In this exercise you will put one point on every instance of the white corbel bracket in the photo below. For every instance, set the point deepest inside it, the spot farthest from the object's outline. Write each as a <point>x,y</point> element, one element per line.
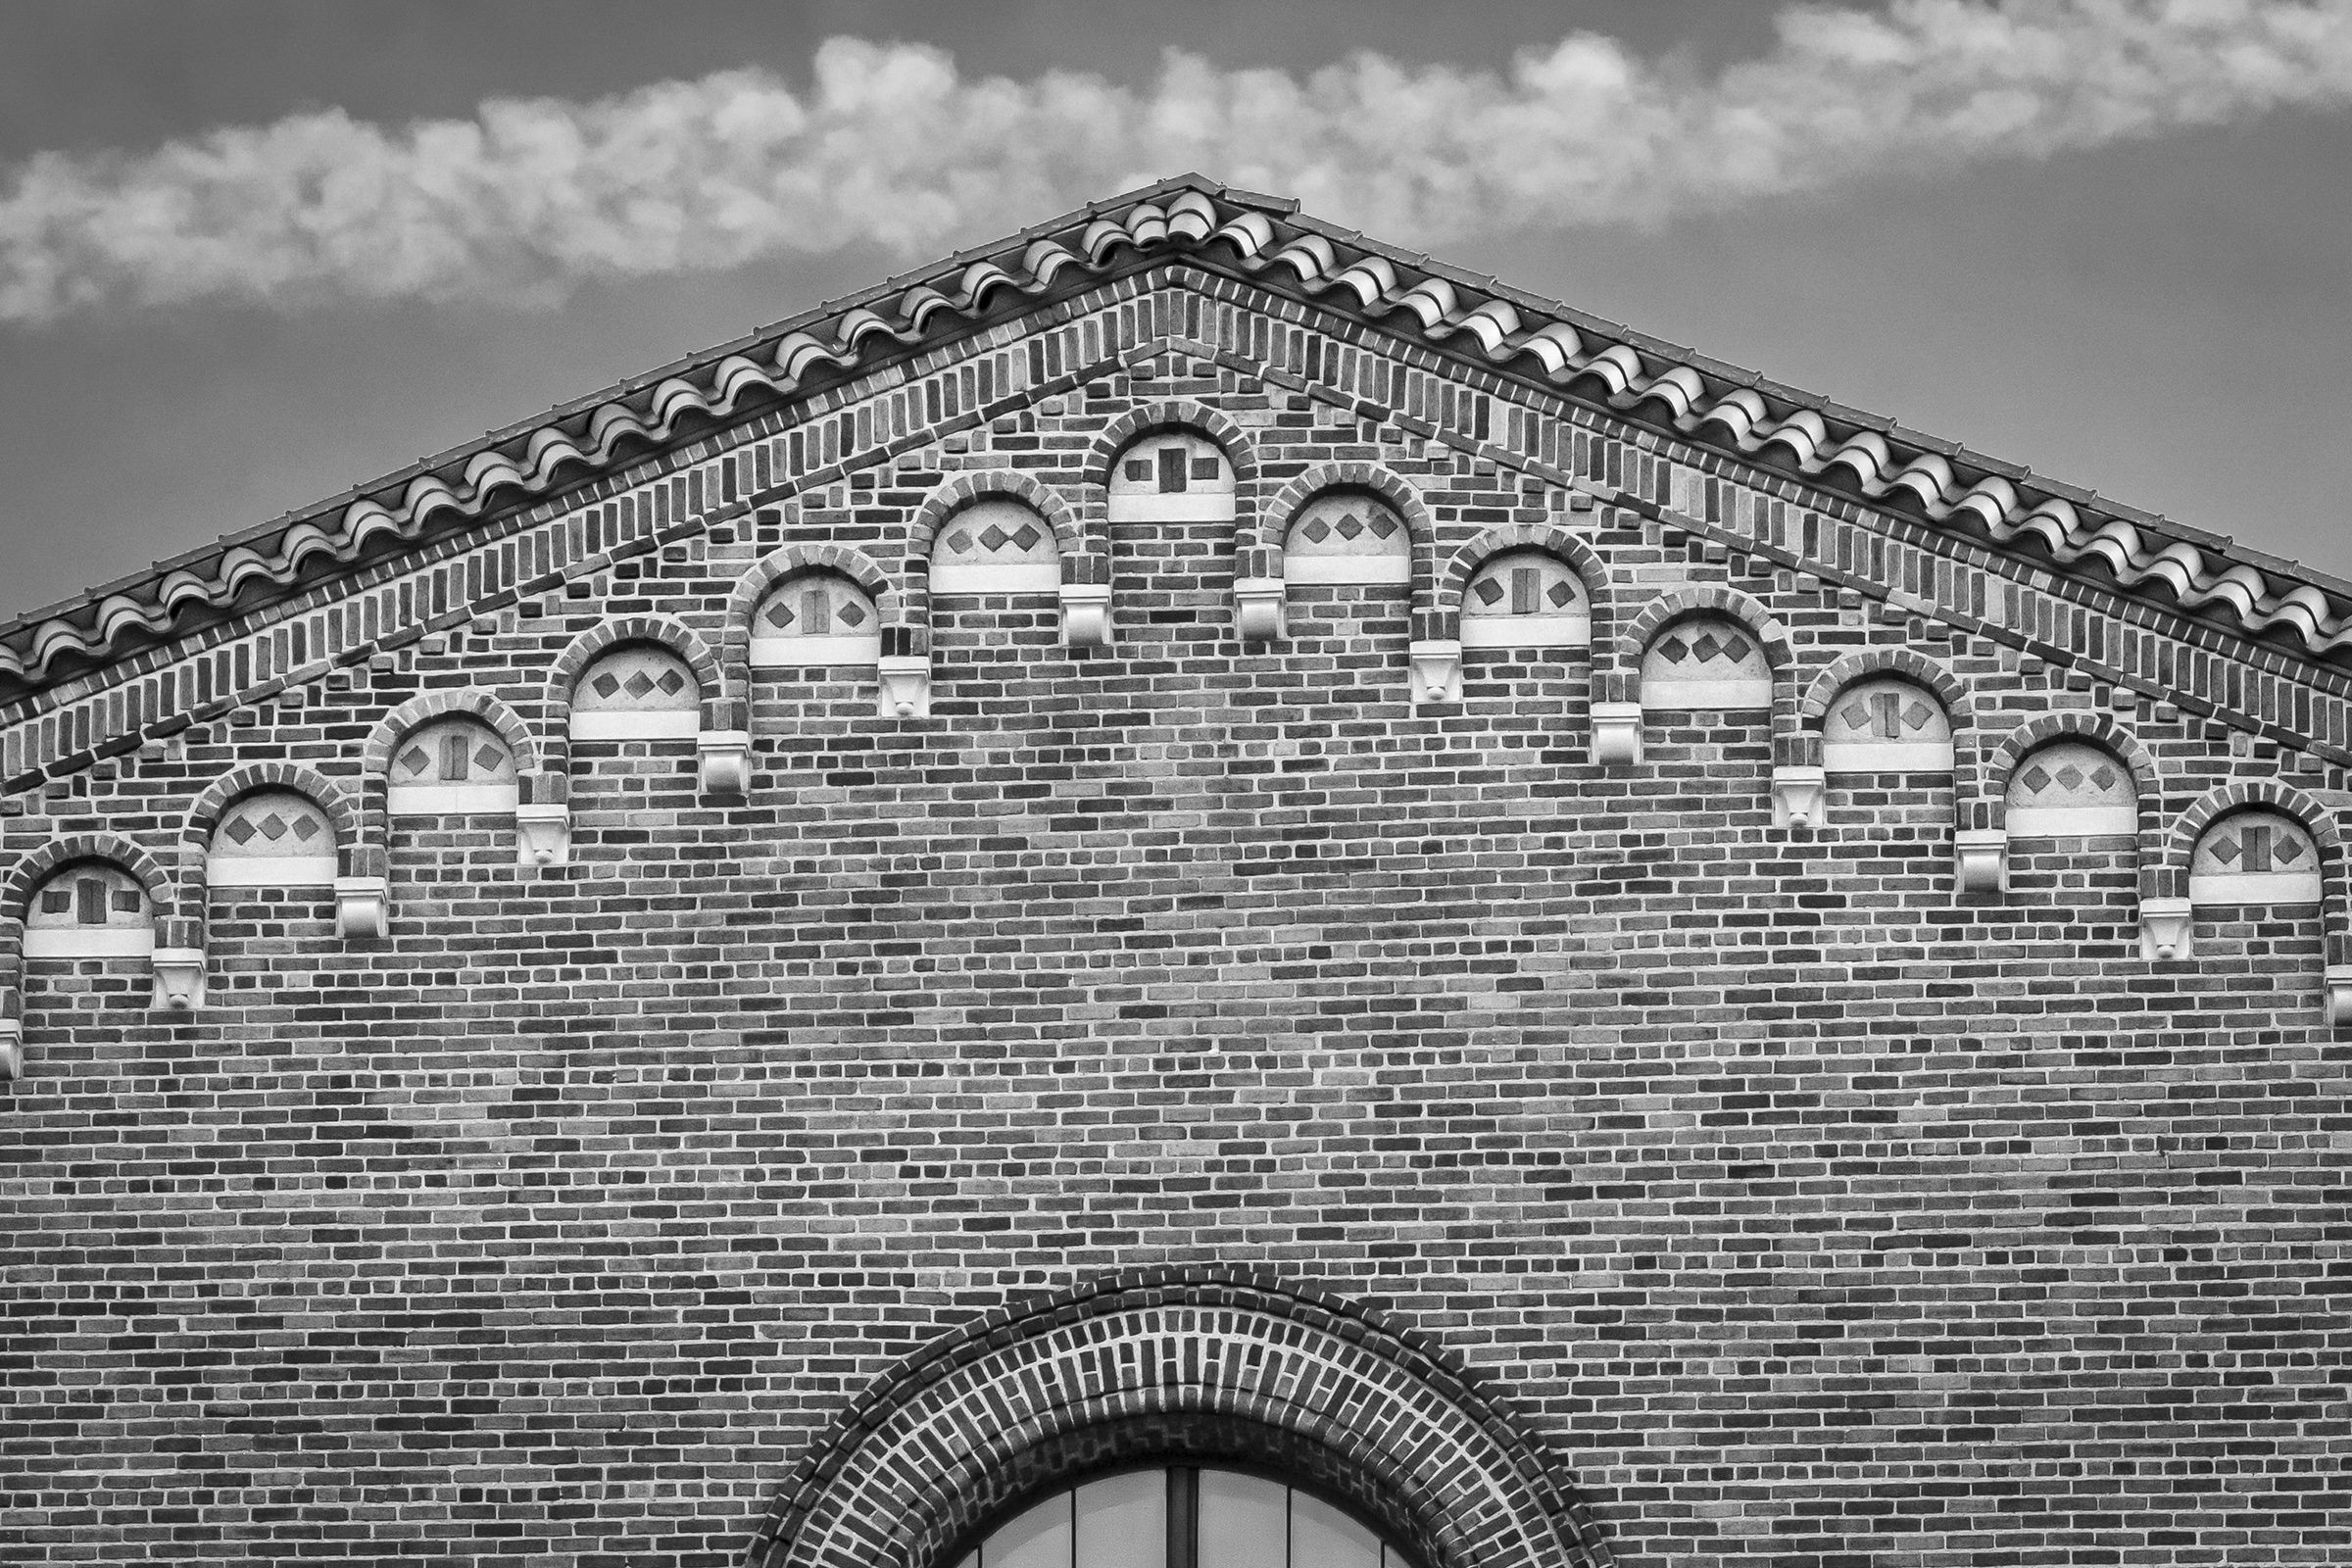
<point>1800,793</point>
<point>1436,664</point>
<point>726,758</point>
<point>905,681</point>
<point>1617,734</point>
<point>12,1050</point>
<point>542,834</point>
<point>1980,858</point>
<point>2165,926</point>
<point>1257,609</point>
<point>2336,995</point>
<point>179,977</point>
<point>1086,614</point>
<point>362,908</point>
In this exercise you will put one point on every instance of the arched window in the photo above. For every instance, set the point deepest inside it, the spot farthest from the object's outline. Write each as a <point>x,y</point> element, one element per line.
<point>1175,476</point>
<point>452,765</point>
<point>1343,537</point>
<point>2071,789</point>
<point>2254,857</point>
<point>88,911</point>
<point>1526,599</point>
<point>1180,1517</point>
<point>639,691</point>
<point>995,546</point>
<point>273,839</point>
<point>1886,725</point>
<point>816,617</point>
<point>1710,662</point>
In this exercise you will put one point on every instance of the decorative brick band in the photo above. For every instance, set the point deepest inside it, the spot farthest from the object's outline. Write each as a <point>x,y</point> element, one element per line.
<point>1193,1366</point>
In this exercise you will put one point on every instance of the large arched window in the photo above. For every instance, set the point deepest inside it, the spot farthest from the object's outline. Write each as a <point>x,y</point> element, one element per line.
<point>1181,1517</point>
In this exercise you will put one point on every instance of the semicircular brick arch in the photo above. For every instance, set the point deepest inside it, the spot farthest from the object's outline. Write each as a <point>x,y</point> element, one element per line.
<point>1175,1364</point>
<point>29,872</point>
<point>1558,543</point>
<point>719,712</point>
<point>1081,561</point>
<point>735,648</point>
<point>1623,682</point>
<point>1263,559</point>
<point>1171,414</point>
<point>375,755</point>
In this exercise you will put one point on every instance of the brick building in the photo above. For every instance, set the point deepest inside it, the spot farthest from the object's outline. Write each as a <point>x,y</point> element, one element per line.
<point>1187,893</point>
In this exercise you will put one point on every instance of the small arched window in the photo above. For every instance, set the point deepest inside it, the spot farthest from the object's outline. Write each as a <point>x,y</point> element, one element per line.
<point>1710,662</point>
<point>1181,1517</point>
<point>451,765</point>
<point>273,839</point>
<point>639,691</point>
<point>1526,599</point>
<point>2071,789</point>
<point>2255,856</point>
<point>816,617</point>
<point>995,546</point>
<point>1173,477</point>
<point>1886,725</point>
<point>89,911</point>
<point>1345,537</point>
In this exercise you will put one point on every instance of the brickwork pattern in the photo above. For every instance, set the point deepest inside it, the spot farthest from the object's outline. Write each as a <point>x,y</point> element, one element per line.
<point>1804,1211</point>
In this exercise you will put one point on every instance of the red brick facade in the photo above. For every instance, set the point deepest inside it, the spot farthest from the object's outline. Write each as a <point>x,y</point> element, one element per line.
<point>1187,1042</point>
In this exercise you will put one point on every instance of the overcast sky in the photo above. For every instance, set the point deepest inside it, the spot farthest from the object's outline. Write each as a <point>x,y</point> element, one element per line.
<point>251,254</point>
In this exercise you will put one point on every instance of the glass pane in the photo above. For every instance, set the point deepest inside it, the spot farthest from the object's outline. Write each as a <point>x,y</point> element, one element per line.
<point>1322,1537</point>
<point>1123,1521</point>
<point>1244,1521</point>
<point>1038,1539</point>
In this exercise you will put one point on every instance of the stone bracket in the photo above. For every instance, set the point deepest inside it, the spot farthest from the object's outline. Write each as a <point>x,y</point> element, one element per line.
<point>1981,859</point>
<point>2336,995</point>
<point>362,908</point>
<point>1257,609</point>
<point>179,976</point>
<point>12,1050</point>
<point>726,759</point>
<point>1086,614</point>
<point>1435,665</point>
<point>542,834</point>
<point>904,682</point>
<point>2165,928</point>
<point>1801,792</point>
<point>1617,734</point>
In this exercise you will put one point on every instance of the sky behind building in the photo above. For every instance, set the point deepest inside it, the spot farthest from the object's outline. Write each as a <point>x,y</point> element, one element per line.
<point>251,254</point>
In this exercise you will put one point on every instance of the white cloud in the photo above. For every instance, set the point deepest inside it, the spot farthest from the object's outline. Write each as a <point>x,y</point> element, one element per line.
<point>889,146</point>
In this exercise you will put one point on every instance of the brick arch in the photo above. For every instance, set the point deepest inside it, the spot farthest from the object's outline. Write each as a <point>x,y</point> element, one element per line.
<point>36,867</point>
<point>1558,543</point>
<point>735,643</point>
<point>1265,558</point>
<point>1156,418</point>
<point>376,757</point>
<point>1193,1363</point>
<point>719,712</point>
<point>1988,796</point>
<point>1959,710</point>
<point>2180,841</point>
<point>354,855</point>
<point>1080,563</point>
<point>1623,683</point>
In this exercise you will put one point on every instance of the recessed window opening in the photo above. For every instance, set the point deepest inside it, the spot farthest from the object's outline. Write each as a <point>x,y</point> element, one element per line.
<point>1183,1517</point>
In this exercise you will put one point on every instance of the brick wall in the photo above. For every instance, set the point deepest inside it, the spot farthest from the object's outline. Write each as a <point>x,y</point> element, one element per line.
<point>1806,1209</point>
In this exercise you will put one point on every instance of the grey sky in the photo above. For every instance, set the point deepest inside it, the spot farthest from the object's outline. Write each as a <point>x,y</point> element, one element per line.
<point>2161,320</point>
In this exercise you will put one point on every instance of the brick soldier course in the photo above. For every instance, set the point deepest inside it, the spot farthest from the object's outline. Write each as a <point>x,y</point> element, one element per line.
<point>1184,838</point>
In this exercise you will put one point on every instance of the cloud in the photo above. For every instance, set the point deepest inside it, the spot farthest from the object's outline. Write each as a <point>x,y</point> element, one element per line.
<point>889,146</point>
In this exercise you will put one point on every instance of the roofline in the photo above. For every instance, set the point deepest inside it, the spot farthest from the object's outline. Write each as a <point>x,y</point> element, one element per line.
<point>2005,504</point>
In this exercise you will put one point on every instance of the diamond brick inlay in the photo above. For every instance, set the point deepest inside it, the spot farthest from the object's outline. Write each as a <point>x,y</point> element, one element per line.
<point>1318,530</point>
<point>671,682</point>
<point>272,826</point>
<point>488,758</point>
<point>2070,777</point>
<point>2225,849</point>
<point>240,831</point>
<point>414,761</point>
<point>961,541</point>
<point>1856,716</point>
<point>1351,526</point>
<point>306,828</point>
<point>1028,536</point>
<point>994,539</point>
<point>639,685</point>
<point>1381,525</point>
<point>1916,716</point>
<point>779,614</point>
<point>1561,596</point>
<point>1706,648</point>
<point>2106,778</point>
<point>851,613</point>
<point>1735,649</point>
<point>1489,591</point>
<point>2285,847</point>
<point>1675,649</point>
<point>605,684</point>
<point>2037,780</point>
